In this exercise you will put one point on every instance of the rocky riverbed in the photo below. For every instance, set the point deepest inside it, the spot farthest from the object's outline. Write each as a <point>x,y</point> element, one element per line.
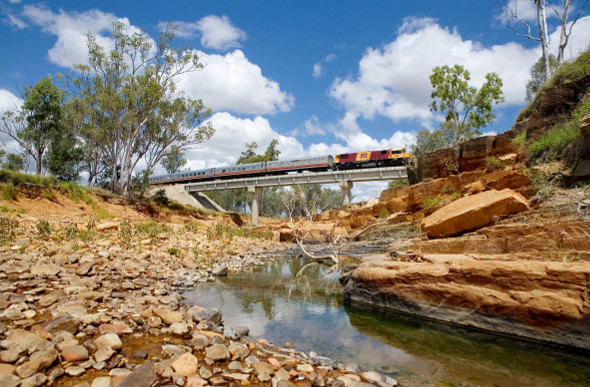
<point>108,312</point>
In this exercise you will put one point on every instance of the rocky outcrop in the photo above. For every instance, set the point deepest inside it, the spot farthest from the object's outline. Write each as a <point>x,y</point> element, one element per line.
<point>549,240</point>
<point>553,106</point>
<point>547,301</point>
<point>472,212</point>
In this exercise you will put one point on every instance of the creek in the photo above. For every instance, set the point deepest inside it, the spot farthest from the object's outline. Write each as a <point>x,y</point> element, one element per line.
<point>310,315</point>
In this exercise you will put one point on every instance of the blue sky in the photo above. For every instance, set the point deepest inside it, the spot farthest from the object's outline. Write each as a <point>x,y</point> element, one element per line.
<point>322,77</point>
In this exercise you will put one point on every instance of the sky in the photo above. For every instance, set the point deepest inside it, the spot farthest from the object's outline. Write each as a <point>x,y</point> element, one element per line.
<point>321,77</point>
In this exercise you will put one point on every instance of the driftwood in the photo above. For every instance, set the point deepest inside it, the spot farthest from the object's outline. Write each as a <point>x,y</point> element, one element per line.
<point>333,257</point>
<point>371,226</point>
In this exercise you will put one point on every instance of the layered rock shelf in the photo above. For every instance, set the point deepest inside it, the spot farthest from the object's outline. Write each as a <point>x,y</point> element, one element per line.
<point>547,301</point>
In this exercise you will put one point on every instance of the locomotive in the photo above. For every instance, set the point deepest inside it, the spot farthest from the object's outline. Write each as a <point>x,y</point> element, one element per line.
<point>344,161</point>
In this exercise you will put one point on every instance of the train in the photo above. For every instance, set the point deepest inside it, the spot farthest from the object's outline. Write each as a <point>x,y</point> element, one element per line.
<point>344,161</point>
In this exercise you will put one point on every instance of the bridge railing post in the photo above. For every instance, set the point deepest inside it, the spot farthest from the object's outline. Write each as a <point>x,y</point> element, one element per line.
<point>255,207</point>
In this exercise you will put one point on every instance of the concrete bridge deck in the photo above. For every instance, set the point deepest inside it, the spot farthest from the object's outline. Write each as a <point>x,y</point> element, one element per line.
<point>257,184</point>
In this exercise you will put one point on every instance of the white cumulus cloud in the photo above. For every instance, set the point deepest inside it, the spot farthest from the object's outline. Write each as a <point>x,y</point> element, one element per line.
<point>393,80</point>
<point>71,29</point>
<point>232,134</point>
<point>232,82</point>
<point>217,32</point>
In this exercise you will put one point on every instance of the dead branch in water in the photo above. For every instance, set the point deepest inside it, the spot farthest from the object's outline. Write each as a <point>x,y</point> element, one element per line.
<point>333,257</point>
<point>371,226</point>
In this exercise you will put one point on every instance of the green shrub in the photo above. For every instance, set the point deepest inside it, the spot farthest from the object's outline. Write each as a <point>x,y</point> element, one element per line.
<point>570,71</point>
<point>44,229</point>
<point>495,164</point>
<point>49,195</point>
<point>8,191</point>
<point>384,213</point>
<point>520,141</point>
<point>8,228</point>
<point>554,142</point>
<point>160,197</point>
<point>175,251</point>
<point>431,201</point>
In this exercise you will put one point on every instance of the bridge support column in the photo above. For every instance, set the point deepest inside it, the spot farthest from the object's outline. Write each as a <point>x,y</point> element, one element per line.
<point>346,187</point>
<point>256,198</point>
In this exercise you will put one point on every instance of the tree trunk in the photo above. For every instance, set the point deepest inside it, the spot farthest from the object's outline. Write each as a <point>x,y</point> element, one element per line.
<point>563,35</point>
<point>542,22</point>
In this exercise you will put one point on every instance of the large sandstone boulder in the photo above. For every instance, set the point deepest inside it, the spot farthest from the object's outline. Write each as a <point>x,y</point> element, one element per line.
<point>472,212</point>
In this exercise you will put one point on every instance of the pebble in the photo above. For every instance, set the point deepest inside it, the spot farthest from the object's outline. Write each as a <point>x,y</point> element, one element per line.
<point>74,371</point>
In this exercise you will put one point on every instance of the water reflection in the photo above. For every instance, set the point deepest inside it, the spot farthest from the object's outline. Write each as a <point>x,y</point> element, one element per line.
<point>414,351</point>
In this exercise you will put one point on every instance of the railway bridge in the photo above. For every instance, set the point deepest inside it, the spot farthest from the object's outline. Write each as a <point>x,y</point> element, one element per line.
<point>256,185</point>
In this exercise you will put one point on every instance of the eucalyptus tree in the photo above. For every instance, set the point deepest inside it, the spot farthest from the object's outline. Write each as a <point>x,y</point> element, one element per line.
<point>36,122</point>
<point>466,108</point>
<point>128,100</point>
<point>173,160</point>
<point>561,11</point>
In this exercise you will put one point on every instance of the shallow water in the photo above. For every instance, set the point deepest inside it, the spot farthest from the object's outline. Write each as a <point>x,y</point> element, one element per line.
<point>414,351</point>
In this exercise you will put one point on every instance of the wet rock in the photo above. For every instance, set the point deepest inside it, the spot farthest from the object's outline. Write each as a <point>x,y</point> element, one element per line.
<point>119,328</point>
<point>238,351</point>
<point>9,380</point>
<point>37,362</point>
<point>74,353</point>
<point>274,363</point>
<point>199,341</point>
<point>288,383</point>
<point>48,300</point>
<point>262,367</point>
<point>74,371</point>
<point>142,376</point>
<point>196,313</point>
<point>64,323</point>
<point>235,333</point>
<point>217,352</point>
<point>111,340</point>
<point>29,340</point>
<point>214,316</point>
<point>11,355</point>
<point>205,372</point>
<point>104,354</point>
<point>140,355</point>
<point>103,381</point>
<point>234,366</point>
<point>195,381</point>
<point>306,368</point>
<point>220,271</point>
<point>179,328</point>
<point>168,316</point>
<point>185,365</point>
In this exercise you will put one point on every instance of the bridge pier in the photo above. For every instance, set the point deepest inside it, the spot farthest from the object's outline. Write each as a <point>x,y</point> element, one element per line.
<point>256,198</point>
<point>346,187</point>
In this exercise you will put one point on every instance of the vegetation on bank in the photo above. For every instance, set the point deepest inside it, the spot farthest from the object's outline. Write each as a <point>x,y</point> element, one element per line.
<point>567,72</point>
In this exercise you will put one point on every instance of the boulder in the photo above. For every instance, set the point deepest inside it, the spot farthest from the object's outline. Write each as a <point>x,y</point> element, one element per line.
<point>472,212</point>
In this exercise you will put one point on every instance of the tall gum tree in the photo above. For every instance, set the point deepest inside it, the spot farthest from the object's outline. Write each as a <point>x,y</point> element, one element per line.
<point>522,28</point>
<point>128,105</point>
<point>35,123</point>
